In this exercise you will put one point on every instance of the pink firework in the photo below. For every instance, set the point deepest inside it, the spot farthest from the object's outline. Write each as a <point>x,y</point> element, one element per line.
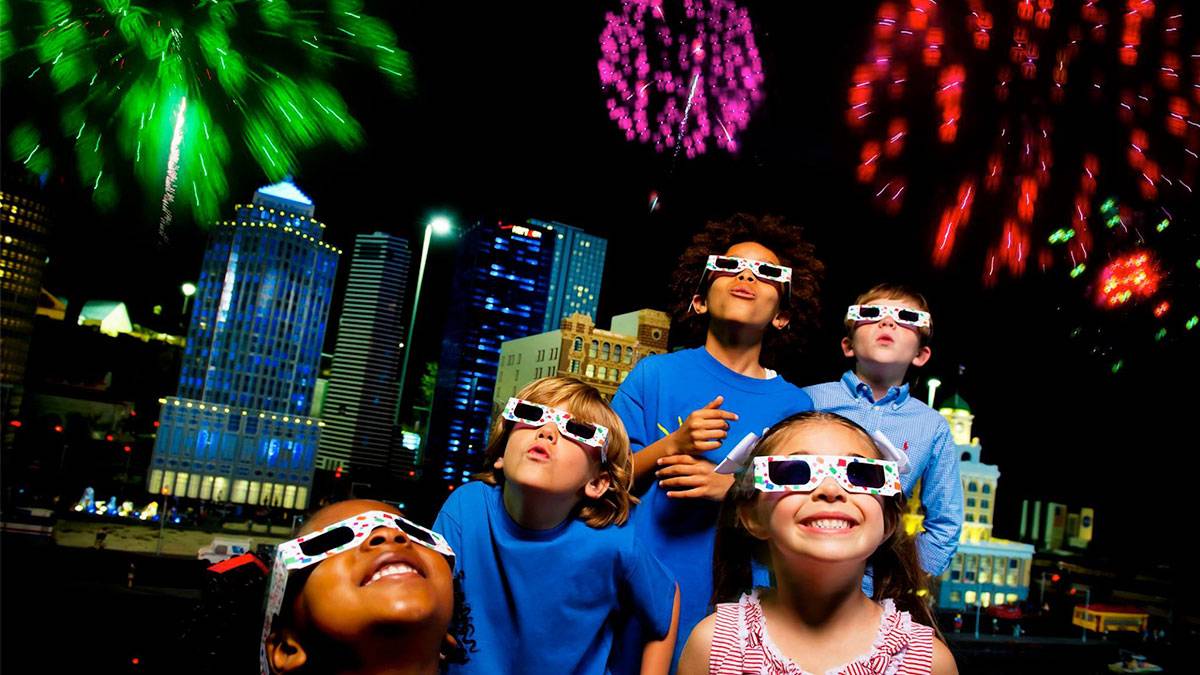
<point>680,77</point>
<point>1069,105</point>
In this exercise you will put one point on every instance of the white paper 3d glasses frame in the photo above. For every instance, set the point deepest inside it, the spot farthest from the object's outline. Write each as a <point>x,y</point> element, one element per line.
<point>802,473</point>
<point>339,537</point>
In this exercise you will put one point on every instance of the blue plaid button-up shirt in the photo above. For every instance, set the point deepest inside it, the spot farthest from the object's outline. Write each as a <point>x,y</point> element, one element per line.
<point>915,427</point>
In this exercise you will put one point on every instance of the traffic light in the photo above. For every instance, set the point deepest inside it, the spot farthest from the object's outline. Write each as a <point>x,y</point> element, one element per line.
<point>1055,577</point>
<point>337,473</point>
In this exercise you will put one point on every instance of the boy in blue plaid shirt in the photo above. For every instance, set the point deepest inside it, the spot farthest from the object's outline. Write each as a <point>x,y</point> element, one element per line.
<point>888,330</point>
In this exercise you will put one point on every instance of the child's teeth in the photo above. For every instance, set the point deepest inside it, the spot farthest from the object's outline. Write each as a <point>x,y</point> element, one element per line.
<point>830,524</point>
<point>392,569</point>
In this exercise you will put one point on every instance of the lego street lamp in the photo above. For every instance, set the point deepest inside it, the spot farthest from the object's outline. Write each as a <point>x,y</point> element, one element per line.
<point>932,385</point>
<point>188,289</point>
<point>440,226</point>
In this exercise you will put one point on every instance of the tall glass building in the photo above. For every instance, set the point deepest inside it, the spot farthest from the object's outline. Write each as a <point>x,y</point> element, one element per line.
<point>501,283</point>
<point>24,235</point>
<point>576,274</point>
<point>238,429</point>
<point>360,403</point>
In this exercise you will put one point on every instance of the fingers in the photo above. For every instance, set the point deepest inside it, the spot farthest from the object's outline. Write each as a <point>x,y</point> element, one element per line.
<point>681,482</point>
<point>709,423</point>
<point>693,494</point>
<point>712,409</point>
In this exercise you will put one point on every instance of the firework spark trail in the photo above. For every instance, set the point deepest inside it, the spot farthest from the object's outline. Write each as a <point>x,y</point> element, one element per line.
<point>687,110</point>
<point>254,72</point>
<point>1027,75</point>
<point>164,221</point>
<point>667,83</point>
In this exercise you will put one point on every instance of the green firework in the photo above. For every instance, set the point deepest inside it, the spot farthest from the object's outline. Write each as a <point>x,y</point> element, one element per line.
<point>218,80</point>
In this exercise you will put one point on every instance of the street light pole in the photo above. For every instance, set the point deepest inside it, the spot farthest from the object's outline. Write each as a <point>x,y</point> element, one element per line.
<point>978,605</point>
<point>162,521</point>
<point>440,225</point>
<point>1087,604</point>
<point>188,289</point>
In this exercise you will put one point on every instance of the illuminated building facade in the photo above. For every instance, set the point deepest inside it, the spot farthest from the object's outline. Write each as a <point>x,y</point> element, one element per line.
<point>501,281</point>
<point>24,229</point>
<point>576,275</point>
<point>602,358</point>
<point>238,429</point>
<point>986,569</point>
<point>360,401</point>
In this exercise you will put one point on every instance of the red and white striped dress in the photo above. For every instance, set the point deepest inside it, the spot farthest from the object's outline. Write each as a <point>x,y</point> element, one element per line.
<point>741,645</point>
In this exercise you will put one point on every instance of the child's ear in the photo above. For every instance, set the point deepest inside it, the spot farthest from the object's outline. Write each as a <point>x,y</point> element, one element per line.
<point>922,357</point>
<point>847,348</point>
<point>499,463</point>
<point>284,652</point>
<point>745,516</point>
<point>781,320</point>
<point>596,487</point>
<point>699,306</point>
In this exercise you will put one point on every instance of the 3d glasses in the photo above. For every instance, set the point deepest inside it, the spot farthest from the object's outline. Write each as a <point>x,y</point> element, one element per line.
<point>763,270</point>
<point>904,316</point>
<point>337,538</point>
<point>536,415</point>
<point>803,473</point>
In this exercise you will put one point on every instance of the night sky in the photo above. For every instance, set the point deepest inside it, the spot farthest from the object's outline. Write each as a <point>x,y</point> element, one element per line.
<point>508,121</point>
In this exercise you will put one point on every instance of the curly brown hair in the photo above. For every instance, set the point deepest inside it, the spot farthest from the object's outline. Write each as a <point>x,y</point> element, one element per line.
<point>584,402</point>
<point>784,240</point>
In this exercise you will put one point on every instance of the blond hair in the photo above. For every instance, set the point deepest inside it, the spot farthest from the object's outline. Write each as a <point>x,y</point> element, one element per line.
<point>585,403</point>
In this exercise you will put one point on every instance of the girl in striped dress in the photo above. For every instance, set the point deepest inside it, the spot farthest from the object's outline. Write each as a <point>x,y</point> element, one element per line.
<point>817,501</point>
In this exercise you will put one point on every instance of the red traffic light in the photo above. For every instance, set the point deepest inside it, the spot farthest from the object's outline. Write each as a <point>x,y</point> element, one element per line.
<point>108,438</point>
<point>128,449</point>
<point>58,428</point>
<point>1055,578</point>
<point>15,424</point>
<point>337,473</point>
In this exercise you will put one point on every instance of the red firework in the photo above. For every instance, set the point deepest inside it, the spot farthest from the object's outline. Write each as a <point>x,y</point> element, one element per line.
<point>1135,276</point>
<point>1044,74</point>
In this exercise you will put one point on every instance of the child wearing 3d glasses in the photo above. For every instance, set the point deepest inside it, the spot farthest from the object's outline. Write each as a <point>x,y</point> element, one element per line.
<point>548,565</point>
<point>746,288</point>
<point>363,590</point>
<point>888,330</point>
<point>817,500</point>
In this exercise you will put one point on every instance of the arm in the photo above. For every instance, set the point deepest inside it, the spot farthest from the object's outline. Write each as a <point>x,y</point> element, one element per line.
<point>703,430</point>
<point>694,660</point>
<point>656,656</point>
<point>943,660</point>
<point>942,496</point>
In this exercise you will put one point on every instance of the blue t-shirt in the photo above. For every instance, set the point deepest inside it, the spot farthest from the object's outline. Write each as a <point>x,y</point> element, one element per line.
<point>658,395</point>
<point>547,601</point>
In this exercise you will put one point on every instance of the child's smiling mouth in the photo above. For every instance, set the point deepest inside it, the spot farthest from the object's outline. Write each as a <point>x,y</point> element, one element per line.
<point>393,565</point>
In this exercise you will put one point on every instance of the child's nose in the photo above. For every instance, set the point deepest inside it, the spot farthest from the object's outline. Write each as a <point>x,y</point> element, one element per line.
<point>385,535</point>
<point>829,491</point>
<point>746,275</point>
<point>549,431</point>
